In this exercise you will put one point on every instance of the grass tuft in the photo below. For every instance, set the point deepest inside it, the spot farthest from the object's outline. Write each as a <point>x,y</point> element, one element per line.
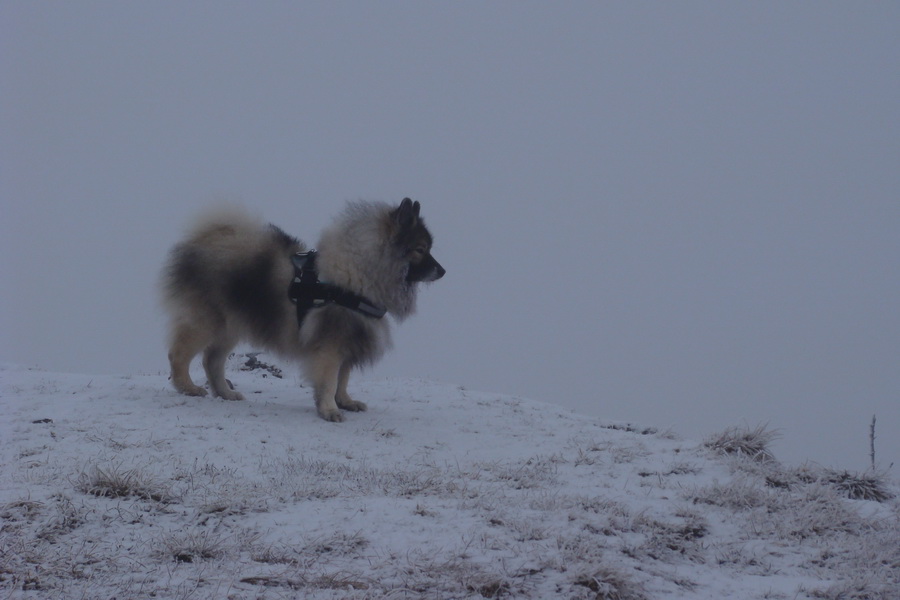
<point>193,546</point>
<point>115,482</point>
<point>608,584</point>
<point>743,442</point>
<point>860,486</point>
<point>869,485</point>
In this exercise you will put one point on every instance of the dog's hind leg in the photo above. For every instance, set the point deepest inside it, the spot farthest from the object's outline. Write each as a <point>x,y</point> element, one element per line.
<point>187,342</point>
<point>343,398</point>
<point>214,364</point>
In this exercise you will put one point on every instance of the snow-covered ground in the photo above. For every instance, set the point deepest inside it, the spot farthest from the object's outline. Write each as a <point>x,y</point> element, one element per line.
<point>117,487</point>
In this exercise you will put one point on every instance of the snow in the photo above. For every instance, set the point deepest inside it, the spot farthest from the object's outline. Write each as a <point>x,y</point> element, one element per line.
<point>116,486</point>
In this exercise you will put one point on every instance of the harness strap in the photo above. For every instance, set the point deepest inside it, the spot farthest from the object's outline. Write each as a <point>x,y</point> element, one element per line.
<point>307,292</point>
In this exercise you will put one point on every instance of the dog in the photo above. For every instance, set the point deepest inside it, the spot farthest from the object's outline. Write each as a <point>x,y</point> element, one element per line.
<point>232,280</point>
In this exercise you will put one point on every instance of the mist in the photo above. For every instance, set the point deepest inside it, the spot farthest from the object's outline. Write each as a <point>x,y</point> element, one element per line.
<point>684,215</point>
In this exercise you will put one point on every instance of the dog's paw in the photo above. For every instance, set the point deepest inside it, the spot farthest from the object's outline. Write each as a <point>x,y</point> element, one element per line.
<point>194,390</point>
<point>353,405</point>
<point>334,416</point>
<point>232,395</point>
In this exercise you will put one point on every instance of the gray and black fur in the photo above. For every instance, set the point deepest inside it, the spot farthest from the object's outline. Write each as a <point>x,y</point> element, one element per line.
<point>228,282</point>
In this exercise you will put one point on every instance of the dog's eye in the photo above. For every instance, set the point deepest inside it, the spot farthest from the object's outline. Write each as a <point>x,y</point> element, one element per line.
<point>420,250</point>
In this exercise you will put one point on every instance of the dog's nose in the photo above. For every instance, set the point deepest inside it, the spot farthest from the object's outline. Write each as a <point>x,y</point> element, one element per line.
<point>439,272</point>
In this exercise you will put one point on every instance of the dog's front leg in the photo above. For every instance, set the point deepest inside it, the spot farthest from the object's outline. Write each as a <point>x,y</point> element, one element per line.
<point>342,397</point>
<point>325,374</point>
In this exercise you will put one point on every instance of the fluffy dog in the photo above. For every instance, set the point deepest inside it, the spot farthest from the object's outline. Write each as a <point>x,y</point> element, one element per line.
<point>229,282</point>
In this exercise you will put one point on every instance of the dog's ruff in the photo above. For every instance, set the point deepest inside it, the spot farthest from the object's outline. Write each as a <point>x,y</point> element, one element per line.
<point>308,292</point>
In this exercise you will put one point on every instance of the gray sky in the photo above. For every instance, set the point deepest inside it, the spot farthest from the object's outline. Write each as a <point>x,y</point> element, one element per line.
<point>683,214</point>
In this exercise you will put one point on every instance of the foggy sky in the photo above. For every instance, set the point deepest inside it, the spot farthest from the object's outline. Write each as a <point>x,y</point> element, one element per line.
<point>682,214</point>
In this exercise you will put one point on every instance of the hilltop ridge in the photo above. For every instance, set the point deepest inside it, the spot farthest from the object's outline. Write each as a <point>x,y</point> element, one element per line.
<point>115,486</point>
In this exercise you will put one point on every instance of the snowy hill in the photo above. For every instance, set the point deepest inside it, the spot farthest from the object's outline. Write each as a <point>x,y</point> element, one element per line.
<point>116,487</point>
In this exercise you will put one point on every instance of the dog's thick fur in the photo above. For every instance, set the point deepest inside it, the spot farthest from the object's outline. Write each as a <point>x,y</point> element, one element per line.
<point>228,282</point>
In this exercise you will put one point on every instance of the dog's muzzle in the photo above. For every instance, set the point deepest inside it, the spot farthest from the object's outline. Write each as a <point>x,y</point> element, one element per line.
<point>425,272</point>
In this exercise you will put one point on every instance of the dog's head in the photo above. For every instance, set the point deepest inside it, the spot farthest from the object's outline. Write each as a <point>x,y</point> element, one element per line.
<point>413,240</point>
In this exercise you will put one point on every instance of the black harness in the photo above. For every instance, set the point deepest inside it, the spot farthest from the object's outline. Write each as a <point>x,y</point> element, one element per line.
<point>308,292</point>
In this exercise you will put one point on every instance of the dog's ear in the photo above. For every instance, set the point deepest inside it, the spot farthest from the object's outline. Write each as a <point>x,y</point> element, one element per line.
<point>408,213</point>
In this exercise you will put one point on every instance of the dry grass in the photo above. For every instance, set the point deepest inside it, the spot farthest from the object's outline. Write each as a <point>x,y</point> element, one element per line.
<point>114,481</point>
<point>743,442</point>
<point>195,545</point>
<point>605,583</point>
<point>868,485</point>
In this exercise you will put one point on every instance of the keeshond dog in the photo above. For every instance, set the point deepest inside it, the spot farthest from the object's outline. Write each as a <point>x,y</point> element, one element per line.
<point>235,279</point>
